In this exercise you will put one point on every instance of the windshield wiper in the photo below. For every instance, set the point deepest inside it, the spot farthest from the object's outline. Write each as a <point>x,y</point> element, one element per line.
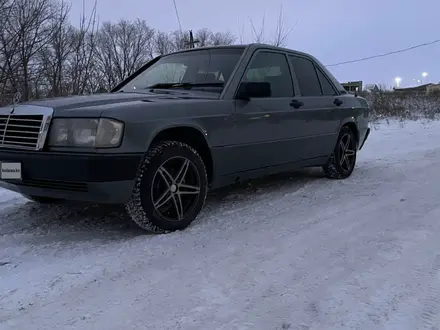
<point>185,85</point>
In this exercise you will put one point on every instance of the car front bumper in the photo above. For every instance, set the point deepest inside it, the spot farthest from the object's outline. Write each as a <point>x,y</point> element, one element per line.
<point>98,178</point>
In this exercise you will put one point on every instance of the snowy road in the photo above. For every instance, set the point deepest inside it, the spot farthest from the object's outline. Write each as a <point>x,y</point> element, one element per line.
<point>291,252</point>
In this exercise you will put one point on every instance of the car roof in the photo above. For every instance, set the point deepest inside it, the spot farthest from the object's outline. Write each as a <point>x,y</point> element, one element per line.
<point>254,46</point>
<point>241,46</point>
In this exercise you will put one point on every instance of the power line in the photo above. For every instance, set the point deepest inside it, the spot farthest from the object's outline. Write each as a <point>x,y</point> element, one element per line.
<point>387,54</point>
<point>177,15</point>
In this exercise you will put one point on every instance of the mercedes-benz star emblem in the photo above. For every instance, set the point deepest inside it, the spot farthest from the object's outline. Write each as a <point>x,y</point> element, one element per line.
<point>17,98</point>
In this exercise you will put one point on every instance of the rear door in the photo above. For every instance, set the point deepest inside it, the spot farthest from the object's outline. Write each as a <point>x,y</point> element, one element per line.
<point>315,96</point>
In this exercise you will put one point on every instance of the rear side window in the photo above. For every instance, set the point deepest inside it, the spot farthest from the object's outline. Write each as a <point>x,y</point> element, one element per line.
<point>327,88</point>
<point>306,75</point>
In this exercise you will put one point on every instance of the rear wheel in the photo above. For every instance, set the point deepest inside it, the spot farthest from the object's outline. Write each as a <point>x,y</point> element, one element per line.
<point>343,159</point>
<point>170,189</point>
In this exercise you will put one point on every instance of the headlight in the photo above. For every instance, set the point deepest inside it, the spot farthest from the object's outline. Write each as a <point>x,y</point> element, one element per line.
<point>84,132</point>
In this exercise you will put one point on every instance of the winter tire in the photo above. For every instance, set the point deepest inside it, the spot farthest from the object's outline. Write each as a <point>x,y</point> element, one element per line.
<point>343,159</point>
<point>170,188</point>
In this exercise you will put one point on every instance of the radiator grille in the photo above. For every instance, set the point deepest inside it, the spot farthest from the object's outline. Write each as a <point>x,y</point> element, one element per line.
<point>20,130</point>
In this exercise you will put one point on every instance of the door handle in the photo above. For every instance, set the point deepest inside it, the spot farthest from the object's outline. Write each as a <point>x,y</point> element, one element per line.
<point>337,102</point>
<point>296,104</point>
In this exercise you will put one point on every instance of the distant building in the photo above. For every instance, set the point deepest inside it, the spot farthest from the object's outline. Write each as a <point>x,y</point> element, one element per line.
<point>423,89</point>
<point>352,86</point>
<point>371,88</point>
<point>433,88</point>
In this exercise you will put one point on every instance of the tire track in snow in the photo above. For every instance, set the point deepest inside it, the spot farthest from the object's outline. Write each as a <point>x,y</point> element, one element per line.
<point>405,290</point>
<point>431,302</point>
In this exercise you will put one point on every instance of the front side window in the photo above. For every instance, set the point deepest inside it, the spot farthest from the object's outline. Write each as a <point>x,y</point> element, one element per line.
<point>209,67</point>
<point>272,68</point>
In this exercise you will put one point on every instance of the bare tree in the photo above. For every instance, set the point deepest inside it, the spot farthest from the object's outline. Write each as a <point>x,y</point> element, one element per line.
<point>7,50</point>
<point>222,38</point>
<point>281,33</point>
<point>163,43</point>
<point>179,40</point>
<point>241,31</point>
<point>42,54</point>
<point>5,11</point>
<point>203,36</point>
<point>258,35</point>
<point>81,62</point>
<point>167,43</point>
<point>28,21</point>
<point>122,48</point>
<point>54,58</point>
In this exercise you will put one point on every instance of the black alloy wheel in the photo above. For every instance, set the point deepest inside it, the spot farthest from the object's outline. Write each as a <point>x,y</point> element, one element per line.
<point>175,188</point>
<point>343,159</point>
<point>347,153</point>
<point>170,189</point>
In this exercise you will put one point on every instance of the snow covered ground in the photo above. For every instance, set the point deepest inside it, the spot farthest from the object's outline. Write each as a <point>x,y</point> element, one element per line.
<point>291,252</point>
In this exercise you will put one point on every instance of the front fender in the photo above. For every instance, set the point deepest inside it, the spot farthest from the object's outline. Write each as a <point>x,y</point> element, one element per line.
<point>184,123</point>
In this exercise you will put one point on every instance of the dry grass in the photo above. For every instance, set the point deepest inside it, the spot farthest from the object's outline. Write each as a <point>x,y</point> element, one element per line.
<point>389,105</point>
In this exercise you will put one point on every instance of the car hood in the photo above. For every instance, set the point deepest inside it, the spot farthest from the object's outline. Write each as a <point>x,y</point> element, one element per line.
<point>95,101</point>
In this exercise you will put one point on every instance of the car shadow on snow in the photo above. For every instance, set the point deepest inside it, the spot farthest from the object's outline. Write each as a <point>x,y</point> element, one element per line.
<point>79,221</point>
<point>68,221</point>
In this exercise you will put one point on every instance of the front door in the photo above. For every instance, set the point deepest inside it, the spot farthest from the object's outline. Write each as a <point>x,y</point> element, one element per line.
<point>267,127</point>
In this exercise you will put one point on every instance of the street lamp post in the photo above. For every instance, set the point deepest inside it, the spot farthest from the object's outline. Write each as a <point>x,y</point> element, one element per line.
<point>424,75</point>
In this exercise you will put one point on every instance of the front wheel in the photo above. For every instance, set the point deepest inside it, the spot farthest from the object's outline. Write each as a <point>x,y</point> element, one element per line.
<point>170,189</point>
<point>343,159</point>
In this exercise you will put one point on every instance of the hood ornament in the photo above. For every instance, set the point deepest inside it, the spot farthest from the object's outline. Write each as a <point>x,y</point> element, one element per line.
<point>15,100</point>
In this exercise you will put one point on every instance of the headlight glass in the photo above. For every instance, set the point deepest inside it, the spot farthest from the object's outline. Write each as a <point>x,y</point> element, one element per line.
<point>85,132</point>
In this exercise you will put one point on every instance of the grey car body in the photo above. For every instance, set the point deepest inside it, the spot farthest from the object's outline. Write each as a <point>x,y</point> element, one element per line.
<point>237,139</point>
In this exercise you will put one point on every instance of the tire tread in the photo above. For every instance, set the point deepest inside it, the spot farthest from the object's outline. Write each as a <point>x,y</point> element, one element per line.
<point>134,206</point>
<point>331,170</point>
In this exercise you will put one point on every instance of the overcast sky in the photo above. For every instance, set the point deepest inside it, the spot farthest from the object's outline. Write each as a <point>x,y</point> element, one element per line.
<point>333,31</point>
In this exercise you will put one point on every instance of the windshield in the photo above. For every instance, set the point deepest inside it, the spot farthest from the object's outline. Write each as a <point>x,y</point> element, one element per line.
<point>207,69</point>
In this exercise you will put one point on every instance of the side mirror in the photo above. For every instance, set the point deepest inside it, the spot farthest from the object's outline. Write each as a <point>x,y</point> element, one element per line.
<point>248,90</point>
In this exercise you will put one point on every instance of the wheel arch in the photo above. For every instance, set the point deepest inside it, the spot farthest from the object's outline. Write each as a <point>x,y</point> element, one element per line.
<point>188,133</point>
<point>351,124</point>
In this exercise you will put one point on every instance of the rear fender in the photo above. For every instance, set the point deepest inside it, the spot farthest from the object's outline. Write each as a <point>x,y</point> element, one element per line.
<point>352,123</point>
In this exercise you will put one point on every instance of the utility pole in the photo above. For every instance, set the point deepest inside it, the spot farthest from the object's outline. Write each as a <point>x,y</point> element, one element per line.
<point>192,42</point>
